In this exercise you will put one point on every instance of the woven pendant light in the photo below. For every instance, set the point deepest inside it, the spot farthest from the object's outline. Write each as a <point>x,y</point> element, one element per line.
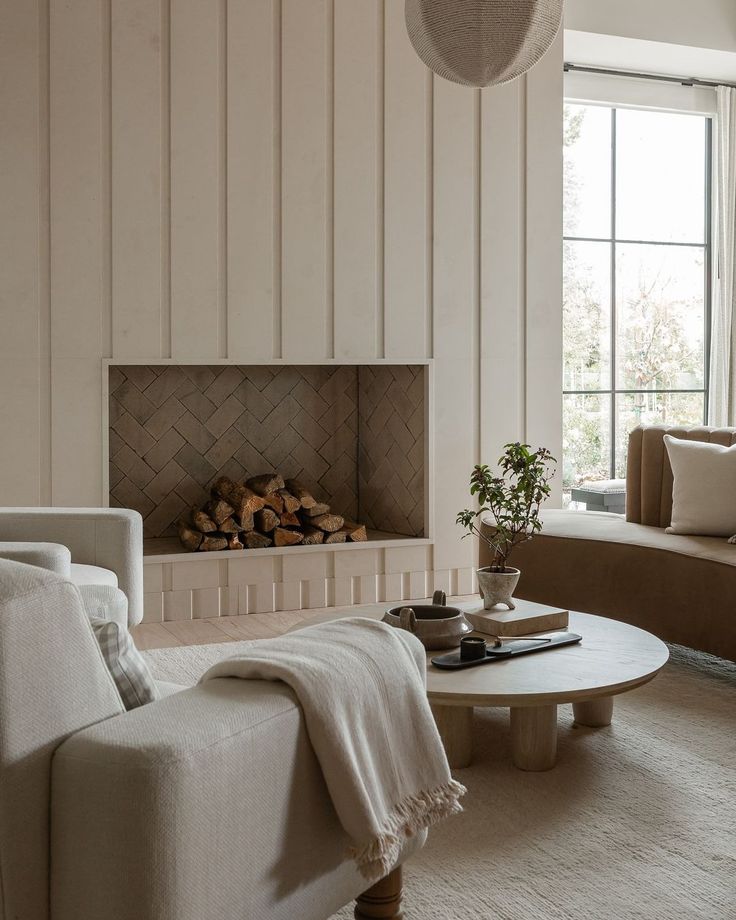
<point>482,42</point>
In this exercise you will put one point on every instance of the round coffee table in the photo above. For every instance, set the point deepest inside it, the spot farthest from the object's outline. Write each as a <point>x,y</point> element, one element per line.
<point>612,658</point>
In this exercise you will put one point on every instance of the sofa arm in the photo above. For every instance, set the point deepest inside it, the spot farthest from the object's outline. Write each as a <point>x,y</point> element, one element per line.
<point>213,805</point>
<point>51,556</point>
<point>108,537</point>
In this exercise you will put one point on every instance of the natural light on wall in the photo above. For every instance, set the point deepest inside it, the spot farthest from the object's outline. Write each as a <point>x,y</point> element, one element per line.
<point>636,276</point>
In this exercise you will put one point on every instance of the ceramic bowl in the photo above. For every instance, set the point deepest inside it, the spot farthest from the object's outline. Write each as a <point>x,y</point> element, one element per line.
<point>435,625</point>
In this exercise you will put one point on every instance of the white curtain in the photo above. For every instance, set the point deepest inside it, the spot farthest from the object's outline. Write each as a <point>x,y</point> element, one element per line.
<point>722,403</point>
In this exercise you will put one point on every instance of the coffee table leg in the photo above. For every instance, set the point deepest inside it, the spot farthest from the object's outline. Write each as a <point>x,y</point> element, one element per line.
<point>594,713</point>
<point>534,737</point>
<point>455,725</point>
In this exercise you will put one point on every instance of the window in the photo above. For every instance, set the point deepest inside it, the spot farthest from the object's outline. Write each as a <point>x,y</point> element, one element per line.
<point>636,280</point>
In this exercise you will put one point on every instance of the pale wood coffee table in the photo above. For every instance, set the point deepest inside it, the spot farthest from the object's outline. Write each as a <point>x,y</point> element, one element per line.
<point>612,658</point>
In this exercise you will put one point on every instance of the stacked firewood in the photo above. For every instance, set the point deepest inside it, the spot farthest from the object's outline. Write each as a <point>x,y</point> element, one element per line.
<point>263,511</point>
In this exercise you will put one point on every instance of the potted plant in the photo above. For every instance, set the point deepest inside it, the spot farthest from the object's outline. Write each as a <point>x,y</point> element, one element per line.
<point>513,499</point>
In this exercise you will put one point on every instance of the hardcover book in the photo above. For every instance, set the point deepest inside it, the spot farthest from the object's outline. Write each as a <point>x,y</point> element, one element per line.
<point>529,617</point>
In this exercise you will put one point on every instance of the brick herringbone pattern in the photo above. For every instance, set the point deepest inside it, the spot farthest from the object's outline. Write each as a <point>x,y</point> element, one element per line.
<point>174,429</point>
<point>391,458</point>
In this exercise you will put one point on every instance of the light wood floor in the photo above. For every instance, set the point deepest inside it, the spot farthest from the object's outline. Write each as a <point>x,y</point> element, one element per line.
<point>217,629</point>
<point>229,629</point>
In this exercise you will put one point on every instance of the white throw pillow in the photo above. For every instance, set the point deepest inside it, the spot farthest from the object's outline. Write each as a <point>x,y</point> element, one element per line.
<point>704,489</point>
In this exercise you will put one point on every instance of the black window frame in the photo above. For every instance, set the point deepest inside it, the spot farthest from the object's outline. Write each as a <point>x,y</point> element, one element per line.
<point>707,246</point>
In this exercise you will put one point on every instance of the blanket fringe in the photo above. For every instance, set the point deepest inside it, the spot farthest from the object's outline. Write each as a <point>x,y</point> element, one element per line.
<point>413,814</point>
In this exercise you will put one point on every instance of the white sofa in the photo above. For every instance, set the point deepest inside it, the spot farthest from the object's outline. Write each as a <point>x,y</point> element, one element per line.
<point>207,804</point>
<point>90,546</point>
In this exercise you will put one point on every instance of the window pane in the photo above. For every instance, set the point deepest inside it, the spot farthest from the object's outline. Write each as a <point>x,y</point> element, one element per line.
<point>587,171</point>
<point>660,317</point>
<point>660,176</point>
<point>634,409</point>
<point>586,438</point>
<point>586,316</point>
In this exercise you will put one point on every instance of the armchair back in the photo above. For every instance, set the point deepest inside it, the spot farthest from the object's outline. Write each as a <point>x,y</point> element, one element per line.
<point>53,682</point>
<point>649,474</point>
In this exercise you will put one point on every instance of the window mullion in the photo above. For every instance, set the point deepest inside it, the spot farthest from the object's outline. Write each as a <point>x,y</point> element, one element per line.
<point>612,311</point>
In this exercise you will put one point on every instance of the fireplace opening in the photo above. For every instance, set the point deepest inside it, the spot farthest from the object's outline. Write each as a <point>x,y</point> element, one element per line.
<point>352,437</point>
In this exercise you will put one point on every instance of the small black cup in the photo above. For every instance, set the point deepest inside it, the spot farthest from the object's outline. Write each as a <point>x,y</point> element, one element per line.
<point>472,648</point>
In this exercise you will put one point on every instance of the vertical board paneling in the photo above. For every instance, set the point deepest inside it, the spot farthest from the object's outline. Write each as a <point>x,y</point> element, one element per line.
<point>195,178</point>
<point>20,253</point>
<point>77,241</point>
<point>306,143</point>
<point>544,257</point>
<point>138,124</point>
<point>252,123</point>
<point>406,187</point>
<point>356,177</point>
<point>502,268</point>
<point>455,313</point>
<point>286,179</point>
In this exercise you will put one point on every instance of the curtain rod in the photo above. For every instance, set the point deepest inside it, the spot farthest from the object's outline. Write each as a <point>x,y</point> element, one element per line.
<point>662,78</point>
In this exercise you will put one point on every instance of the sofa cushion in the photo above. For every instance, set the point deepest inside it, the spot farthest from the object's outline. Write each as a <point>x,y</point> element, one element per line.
<point>679,588</point>
<point>704,489</point>
<point>613,528</point>
<point>92,575</point>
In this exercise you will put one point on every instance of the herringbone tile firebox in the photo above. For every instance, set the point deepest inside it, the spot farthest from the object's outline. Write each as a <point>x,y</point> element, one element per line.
<point>355,434</point>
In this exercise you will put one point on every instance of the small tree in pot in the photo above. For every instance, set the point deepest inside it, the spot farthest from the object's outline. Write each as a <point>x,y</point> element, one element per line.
<point>513,498</point>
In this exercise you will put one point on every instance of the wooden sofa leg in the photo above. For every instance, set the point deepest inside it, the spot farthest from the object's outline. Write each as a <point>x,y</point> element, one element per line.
<point>383,900</point>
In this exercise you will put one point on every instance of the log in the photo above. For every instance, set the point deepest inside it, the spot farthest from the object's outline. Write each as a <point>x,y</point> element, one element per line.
<point>339,536</point>
<point>315,510</point>
<point>241,499</point>
<point>233,541</point>
<point>246,522</point>
<point>328,522</point>
<point>229,526</point>
<point>357,533</point>
<point>291,502</point>
<point>275,501</point>
<point>266,520</point>
<point>254,540</point>
<point>218,510</point>
<point>282,537</point>
<point>190,539</point>
<point>265,483</point>
<point>289,519</point>
<point>212,543</point>
<point>202,521</point>
<point>313,535</point>
<point>306,499</point>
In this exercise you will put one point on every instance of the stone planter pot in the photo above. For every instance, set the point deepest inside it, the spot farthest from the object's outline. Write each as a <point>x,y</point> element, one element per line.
<point>498,587</point>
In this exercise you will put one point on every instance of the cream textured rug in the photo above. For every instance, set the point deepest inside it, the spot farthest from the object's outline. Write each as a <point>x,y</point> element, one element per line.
<point>636,821</point>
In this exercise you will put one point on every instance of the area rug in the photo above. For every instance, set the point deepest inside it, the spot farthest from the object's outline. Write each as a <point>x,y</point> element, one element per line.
<point>636,822</point>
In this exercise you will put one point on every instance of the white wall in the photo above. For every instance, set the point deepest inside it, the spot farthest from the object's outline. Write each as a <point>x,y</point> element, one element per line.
<point>706,24</point>
<point>272,178</point>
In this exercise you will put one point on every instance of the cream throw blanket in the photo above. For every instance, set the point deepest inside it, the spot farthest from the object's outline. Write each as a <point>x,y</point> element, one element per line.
<point>361,686</point>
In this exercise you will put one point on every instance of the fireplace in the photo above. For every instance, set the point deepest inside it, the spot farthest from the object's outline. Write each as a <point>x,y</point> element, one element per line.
<point>354,434</point>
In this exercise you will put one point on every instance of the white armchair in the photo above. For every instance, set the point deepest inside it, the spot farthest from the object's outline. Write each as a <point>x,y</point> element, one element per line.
<point>99,546</point>
<point>208,804</point>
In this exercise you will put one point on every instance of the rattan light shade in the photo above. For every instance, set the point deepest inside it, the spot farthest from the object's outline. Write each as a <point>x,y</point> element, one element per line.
<point>482,42</point>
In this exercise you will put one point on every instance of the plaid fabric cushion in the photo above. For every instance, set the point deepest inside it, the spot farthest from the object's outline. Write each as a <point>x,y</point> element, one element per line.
<point>125,663</point>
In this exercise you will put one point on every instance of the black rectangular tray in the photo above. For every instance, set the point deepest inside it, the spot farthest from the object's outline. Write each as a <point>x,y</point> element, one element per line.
<point>452,661</point>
